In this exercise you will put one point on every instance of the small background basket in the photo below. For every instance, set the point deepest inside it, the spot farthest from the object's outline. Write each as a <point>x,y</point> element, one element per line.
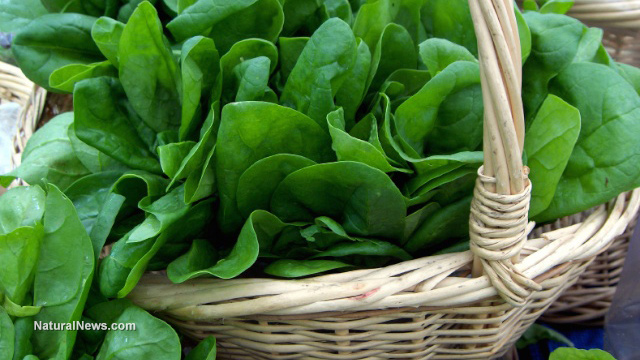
<point>620,20</point>
<point>589,299</point>
<point>15,87</point>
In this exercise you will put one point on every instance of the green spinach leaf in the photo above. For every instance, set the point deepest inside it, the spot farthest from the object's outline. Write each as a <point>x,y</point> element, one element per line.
<point>548,144</point>
<point>250,131</point>
<point>321,69</point>
<point>49,157</point>
<point>63,275</point>
<point>104,120</point>
<point>53,41</point>
<point>148,70</point>
<point>598,168</point>
<point>362,198</point>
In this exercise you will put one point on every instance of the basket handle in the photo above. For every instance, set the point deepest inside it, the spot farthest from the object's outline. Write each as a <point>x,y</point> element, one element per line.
<point>498,224</point>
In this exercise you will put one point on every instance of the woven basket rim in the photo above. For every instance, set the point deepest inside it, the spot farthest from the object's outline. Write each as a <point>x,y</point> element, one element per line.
<point>208,298</point>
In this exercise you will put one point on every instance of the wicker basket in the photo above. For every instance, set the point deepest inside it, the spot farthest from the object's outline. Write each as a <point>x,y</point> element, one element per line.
<point>15,87</point>
<point>589,299</point>
<point>470,305</point>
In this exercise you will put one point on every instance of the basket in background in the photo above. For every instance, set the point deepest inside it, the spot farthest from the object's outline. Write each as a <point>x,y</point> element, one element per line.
<point>589,299</point>
<point>620,20</point>
<point>15,87</point>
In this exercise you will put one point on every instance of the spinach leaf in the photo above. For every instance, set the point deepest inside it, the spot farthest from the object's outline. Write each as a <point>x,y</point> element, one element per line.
<point>548,144</point>
<point>63,275</point>
<point>303,16</point>
<point>377,14</point>
<point>93,159</point>
<point>65,78</point>
<point>598,168</point>
<point>17,14</point>
<point>437,54</point>
<point>201,255</point>
<point>200,183</point>
<point>446,224</point>
<point>239,53</point>
<point>416,218</point>
<point>257,184</point>
<point>95,8</point>
<point>148,70</point>
<point>127,9</point>
<point>172,154</point>
<point>19,253</point>
<point>7,336</point>
<point>195,162</point>
<point>537,333</point>
<point>290,50</point>
<point>349,148</point>
<point>23,330</point>
<point>556,6</point>
<point>257,233</point>
<point>17,310</point>
<point>105,121</point>
<point>53,41</point>
<point>436,166</point>
<point>252,78</point>
<point>49,157</point>
<point>152,339</point>
<point>365,247</point>
<point>351,93</point>
<point>362,198</point>
<point>431,188</point>
<point>450,20</point>
<point>340,9</point>
<point>137,185</point>
<point>631,74</point>
<point>589,45</point>
<point>395,50</point>
<point>565,353</point>
<point>106,33</point>
<point>206,350</point>
<point>129,257</point>
<point>21,206</point>
<point>447,106</point>
<point>321,69</point>
<point>250,131</point>
<point>298,268</point>
<point>159,215</point>
<point>406,82</point>
<point>555,39</point>
<point>96,205</point>
<point>200,66</point>
<point>229,21</point>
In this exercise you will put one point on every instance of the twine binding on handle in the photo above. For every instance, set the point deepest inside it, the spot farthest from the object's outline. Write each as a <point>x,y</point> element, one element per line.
<point>498,224</point>
<point>498,229</point>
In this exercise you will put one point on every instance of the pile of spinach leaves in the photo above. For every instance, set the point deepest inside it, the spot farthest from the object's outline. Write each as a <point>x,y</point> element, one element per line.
<point>229,138</point>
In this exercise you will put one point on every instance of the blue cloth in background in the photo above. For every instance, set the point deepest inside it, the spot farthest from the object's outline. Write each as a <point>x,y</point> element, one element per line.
<point>582,338</point>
